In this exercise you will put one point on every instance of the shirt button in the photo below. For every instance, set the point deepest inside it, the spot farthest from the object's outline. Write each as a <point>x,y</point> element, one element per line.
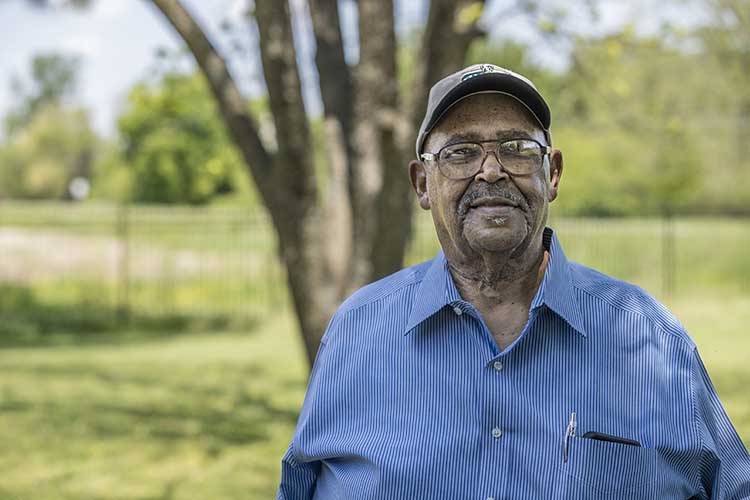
<point>458,311</point>
<point>497,432</point>
<point>497,365</point>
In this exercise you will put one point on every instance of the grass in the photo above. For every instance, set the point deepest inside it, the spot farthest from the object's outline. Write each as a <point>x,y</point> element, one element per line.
<point>209,414</point>
<point>78,313</point>
<point>202,415</point>
<point>719,327</point>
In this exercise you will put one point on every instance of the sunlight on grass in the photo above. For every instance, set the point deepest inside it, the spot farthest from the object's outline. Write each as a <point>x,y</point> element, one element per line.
<point>198,416</point>
<point>719,328</point>
<point>209,415</point>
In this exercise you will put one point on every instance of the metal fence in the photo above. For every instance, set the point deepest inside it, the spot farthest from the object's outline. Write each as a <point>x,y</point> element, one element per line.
<point>222,260</point>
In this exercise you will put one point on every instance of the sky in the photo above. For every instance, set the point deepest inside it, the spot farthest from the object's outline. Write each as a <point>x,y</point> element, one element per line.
<point>117,40</point>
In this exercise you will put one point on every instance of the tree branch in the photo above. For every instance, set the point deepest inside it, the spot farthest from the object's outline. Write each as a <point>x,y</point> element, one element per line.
<point>334,74</point>
<point>294,164</point>
<point>300,221</point>
<point>451,28</point>
<point>376,85</point>
<point>336,91</point>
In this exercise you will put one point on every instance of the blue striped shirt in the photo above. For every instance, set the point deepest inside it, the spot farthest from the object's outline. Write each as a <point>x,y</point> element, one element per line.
<point>411,398</point>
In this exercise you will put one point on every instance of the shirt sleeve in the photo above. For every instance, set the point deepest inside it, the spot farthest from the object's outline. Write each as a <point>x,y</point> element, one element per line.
<point>297,479</point>
<point>724,465</point>
<point>298,474</point>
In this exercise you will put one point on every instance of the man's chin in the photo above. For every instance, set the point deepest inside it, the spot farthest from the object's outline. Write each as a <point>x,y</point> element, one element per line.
<point>499,240</point>
<point>494,232</point>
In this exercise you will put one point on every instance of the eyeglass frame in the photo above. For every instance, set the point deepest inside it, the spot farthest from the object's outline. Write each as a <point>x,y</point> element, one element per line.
<point>425,157</point>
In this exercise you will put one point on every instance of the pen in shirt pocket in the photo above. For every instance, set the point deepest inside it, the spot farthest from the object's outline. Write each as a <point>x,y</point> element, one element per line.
<point>569,433</point>
<point>596,436</point>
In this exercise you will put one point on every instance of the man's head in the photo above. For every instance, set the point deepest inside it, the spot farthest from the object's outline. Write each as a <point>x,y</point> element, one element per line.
<point>495,200</point>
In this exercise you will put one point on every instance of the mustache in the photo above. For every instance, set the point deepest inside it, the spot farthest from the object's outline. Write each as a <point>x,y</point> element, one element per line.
<point>488,191</point>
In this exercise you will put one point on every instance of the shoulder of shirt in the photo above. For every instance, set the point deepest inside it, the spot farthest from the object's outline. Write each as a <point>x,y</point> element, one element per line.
<point>628,298</point>
<point>384,287</point>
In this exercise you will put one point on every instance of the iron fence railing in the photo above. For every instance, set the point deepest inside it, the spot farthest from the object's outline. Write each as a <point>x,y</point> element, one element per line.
<point>156,260</point>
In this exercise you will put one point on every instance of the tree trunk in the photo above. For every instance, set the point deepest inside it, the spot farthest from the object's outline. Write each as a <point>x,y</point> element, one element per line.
<point>375,110</point>
<point>355,230</point>
<point>299,222</point>
<point>337,94</point>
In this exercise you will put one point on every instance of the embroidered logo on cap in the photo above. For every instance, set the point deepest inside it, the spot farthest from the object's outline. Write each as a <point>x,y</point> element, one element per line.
<point>482,69</point>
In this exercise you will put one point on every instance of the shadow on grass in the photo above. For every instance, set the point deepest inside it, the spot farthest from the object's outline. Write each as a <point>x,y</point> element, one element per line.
<point>25,321</point>
<point>214,417</point>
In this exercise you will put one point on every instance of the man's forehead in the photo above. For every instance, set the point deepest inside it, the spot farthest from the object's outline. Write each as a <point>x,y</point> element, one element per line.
<point>490,106</point>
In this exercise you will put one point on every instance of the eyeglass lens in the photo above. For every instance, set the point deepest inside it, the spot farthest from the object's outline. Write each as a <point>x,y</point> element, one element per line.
<point>465,159</point>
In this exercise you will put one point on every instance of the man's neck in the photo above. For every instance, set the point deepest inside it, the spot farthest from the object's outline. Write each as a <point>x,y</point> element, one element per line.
<point>500,280</point>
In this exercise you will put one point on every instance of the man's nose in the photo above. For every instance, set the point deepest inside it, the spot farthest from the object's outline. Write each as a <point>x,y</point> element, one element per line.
<point>492,170</point>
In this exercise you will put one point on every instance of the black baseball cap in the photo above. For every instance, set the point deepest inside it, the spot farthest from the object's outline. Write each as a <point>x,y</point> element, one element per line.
<point>477,79</point>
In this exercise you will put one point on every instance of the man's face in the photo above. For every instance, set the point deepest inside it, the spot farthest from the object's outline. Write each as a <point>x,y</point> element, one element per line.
<point>492,211</point>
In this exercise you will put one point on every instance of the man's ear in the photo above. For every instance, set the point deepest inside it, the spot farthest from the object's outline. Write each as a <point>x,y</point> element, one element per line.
<point>418,176</point>
<point>555,172</point>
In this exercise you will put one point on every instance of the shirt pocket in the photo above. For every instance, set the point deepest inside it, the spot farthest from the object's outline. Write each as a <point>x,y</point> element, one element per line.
<point>601,469</point>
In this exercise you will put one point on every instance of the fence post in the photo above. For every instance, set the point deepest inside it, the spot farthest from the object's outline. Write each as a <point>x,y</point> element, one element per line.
<point>122,229</point>
<point>669,258</point>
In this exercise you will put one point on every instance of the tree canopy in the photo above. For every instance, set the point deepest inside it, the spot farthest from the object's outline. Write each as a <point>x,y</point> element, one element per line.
<point>49,140</point>
<point>175,144</point>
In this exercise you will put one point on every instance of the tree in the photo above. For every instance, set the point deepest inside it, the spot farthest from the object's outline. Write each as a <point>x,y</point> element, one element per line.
<point>41,159</point>
<point>53,79</point>
<point>49,141</point>
<point>336,237</point>
<point>175,143</point>
<point>726,37</point>
<point>642,158</point>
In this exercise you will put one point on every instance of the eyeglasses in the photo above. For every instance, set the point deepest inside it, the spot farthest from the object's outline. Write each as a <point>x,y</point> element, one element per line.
<point>464,159</point>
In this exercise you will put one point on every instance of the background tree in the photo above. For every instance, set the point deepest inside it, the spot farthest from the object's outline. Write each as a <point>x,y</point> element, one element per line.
<point>49,140</point>
<point>724,40</point>
<point>53,80</point>
<point>41,160</point>
<point>726,37</point>
<point>175,144</point>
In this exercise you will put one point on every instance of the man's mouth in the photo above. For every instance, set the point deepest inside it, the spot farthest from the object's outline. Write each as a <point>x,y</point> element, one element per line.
<point>492,202</point>
<point>493,207</point>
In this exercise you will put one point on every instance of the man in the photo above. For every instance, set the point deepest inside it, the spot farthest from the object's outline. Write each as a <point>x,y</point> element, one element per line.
<point>500,369</point>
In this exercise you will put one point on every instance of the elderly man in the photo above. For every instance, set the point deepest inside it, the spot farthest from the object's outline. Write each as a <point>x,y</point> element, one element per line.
<point>500,369</point>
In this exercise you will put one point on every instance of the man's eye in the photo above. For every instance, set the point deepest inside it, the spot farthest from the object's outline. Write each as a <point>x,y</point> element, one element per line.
<point>460,152</point>
<point>522,147</point>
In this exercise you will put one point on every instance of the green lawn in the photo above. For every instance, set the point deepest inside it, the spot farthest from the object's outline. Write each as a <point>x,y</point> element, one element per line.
<point>719,327</point>
<point>208,415</point>
<point>193,416</point>
<point>91,412</point>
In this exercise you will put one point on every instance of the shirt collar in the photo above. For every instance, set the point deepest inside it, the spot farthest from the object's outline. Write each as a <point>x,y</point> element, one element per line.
<point>556,290</point>
<point>432,294</point>
<point>437,288</point>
